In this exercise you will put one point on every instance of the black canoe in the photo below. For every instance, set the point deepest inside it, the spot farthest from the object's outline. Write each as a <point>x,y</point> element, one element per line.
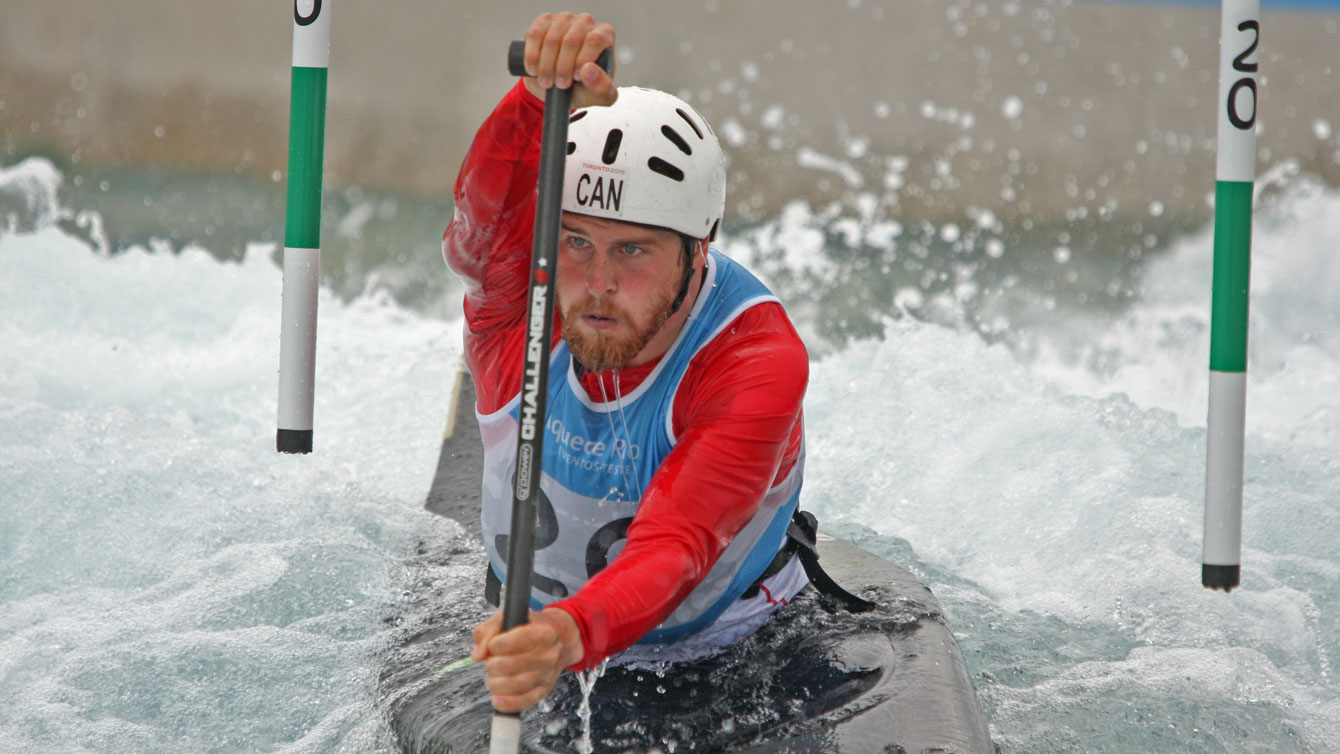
<point>815,679</point>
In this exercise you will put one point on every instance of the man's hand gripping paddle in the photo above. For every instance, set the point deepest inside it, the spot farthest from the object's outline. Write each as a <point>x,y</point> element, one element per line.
<point>506,734</point>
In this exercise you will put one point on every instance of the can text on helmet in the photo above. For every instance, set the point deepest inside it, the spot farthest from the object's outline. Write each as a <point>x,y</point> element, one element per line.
<point>600,191</point>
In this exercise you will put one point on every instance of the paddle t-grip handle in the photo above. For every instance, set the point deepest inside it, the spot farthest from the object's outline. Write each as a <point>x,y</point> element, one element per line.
<point>516,58</point>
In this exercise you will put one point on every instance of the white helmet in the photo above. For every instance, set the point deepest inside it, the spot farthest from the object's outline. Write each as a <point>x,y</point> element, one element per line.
<point>650,159</point>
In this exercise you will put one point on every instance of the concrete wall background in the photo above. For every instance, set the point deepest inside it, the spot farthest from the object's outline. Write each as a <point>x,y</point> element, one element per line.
<point>933,109</point>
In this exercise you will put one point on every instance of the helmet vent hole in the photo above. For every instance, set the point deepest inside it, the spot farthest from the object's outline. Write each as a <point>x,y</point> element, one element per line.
<point>676,139</point>
<point>658,165</point>
<point>578,116</point>
<point>689,121</point>
<point>572,147</point>
<point>612,143</point>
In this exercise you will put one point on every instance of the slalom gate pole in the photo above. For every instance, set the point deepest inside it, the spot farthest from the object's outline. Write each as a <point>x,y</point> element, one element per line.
<point>302,225</point>
<point>1235,174</point>
<point>505,737</point>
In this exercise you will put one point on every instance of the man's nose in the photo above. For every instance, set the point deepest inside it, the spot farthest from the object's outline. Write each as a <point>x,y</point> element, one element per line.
<point>600,275</point>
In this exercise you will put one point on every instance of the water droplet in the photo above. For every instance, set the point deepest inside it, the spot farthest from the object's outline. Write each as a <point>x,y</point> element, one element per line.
<point>734,133</point>
<point>1061,254</point>
<point>1321,128</point>
<point>1011,108</point>
<point>1156,208</point>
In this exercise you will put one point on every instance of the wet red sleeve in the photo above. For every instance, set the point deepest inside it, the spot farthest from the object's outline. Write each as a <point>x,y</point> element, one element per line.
<point>488,241</point>
<point>738,421</point>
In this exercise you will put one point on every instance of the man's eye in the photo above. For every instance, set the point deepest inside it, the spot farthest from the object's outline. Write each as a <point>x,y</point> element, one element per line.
<point>576,242</point>
<point>631,250</point>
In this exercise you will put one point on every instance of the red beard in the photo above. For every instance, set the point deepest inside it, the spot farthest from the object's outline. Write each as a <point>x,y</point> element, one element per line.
<point>598,351</point>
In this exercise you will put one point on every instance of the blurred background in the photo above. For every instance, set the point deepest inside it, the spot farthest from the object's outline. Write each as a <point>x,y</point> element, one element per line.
<point>1086,126</point>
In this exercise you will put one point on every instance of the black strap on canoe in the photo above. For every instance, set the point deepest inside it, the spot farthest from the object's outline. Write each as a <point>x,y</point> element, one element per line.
<point>492,586</point>
<point>801,535</point>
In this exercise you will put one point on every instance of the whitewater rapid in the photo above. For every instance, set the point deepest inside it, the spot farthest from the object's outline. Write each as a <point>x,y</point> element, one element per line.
<point>168,582</point>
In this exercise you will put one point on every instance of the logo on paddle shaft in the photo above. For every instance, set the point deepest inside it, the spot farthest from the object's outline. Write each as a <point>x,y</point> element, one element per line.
<point>523,466</point>
<point>539,300</point>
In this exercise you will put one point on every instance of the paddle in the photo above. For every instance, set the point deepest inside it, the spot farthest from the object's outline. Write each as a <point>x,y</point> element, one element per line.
<point>506,732</point>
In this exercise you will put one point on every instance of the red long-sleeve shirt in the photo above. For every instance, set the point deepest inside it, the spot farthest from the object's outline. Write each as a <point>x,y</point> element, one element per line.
<point>737,411</point>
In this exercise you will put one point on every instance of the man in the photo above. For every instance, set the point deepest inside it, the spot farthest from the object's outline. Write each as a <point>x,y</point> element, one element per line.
<point>674,446</point>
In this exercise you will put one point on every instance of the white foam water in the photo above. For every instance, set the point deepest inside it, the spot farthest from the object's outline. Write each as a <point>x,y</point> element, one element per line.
<point>1050,488</point>
<point>169,583</point>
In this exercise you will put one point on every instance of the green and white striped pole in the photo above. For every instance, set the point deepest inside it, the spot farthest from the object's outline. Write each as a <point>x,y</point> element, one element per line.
<point>1235,173</point>
<point>302,224</point>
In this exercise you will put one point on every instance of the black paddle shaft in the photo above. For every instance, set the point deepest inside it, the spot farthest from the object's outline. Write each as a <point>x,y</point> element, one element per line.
<point>539,336</point>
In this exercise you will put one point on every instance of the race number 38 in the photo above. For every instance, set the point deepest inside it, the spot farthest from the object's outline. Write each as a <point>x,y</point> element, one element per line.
<point>1240,40</point>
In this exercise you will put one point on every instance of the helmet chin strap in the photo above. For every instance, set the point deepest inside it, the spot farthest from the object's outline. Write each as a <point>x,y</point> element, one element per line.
<point>689,252</point>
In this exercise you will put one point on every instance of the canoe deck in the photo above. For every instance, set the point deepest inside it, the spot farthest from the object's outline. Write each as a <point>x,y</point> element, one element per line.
<point>814,679</point>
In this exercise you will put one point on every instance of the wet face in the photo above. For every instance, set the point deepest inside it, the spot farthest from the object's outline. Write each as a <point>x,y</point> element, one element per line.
<point>616,285</point>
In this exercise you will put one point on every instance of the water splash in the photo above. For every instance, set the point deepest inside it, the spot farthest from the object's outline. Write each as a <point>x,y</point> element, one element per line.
<point>29,196</point>
<point>168,582</point>
<point>586,681</point>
